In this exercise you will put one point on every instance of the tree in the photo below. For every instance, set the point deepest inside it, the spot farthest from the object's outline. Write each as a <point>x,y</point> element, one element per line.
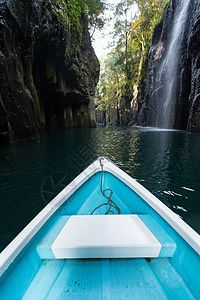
<point>122,68</point>
<point>95,10</point>
<point>70,11</point>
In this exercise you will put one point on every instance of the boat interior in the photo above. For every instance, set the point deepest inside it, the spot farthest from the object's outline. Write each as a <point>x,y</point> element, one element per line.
<point>39,273</point>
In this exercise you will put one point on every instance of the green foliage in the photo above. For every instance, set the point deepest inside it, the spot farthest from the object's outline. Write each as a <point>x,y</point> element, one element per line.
<point>111,83</point>
<point>122,68</point>
<point>101,106</point>
<point>70,13</point>
<point>162,15</point>
<point>95,9</point>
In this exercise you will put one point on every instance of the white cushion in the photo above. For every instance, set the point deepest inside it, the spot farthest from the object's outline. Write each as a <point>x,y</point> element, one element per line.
<point>105,236</point>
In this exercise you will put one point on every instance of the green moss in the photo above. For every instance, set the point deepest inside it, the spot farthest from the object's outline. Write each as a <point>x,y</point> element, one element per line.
<point>10,131</point>
<point>69,15</point>
<point>28,91</point>
<point>162,15</point>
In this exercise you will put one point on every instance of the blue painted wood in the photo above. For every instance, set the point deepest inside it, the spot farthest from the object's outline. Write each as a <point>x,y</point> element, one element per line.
<point>20,274</point>
<point>136,280</point>
<point>89,196</point>
<point>106,280</point>
<point>44,246</point>
<point>185,260</point>
<point>125,196</point>
<point>78,199</point>
<point>79,279</point>
<point>168,245</point>
<point>42,283</point>
<point>162,278</point>
<point>173,284</point>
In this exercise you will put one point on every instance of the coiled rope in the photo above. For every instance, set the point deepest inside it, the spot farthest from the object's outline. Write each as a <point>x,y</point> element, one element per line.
<point>110,202</point>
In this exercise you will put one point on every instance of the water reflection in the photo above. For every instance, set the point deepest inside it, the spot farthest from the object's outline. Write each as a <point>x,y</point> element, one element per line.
<point>170,161</point>
<point>121,146</point>
<point>165,162</point>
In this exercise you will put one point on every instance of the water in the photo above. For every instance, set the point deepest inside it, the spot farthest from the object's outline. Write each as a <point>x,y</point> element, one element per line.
<point>166,162</point>
<point>168,70</point>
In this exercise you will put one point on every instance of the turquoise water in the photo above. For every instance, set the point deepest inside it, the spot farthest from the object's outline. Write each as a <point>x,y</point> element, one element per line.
<point>32,172</point>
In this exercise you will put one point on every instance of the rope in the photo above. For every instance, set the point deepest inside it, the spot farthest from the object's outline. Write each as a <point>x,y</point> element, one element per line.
<point>110,202</point>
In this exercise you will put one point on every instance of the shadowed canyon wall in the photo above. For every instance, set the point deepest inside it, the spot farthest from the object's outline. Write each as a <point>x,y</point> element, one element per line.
<point>47,79</point>
<point>171,94</point>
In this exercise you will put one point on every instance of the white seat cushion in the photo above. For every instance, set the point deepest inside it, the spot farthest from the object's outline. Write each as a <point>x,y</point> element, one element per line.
<point>105,236</point>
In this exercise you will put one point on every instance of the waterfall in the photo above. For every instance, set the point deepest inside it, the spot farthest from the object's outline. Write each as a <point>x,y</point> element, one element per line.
<point>164,78</point>
<point>167,74</point>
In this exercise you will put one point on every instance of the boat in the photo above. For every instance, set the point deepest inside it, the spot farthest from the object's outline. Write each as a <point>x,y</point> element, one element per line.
<point>104,236</point>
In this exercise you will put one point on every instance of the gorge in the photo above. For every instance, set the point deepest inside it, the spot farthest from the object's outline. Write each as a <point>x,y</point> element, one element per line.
<point>47,75</point>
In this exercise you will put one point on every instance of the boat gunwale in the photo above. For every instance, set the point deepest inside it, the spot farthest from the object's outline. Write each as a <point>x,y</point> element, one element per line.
<point>8,255</point>
<point>14,248</point>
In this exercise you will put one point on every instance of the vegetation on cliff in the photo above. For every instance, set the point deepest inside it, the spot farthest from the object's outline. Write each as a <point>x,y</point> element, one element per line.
<point>122,69</point>
<point>70,15</point>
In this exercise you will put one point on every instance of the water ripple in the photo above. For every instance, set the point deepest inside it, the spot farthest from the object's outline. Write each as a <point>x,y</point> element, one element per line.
<point>188,189</point>
<point>167,163</point>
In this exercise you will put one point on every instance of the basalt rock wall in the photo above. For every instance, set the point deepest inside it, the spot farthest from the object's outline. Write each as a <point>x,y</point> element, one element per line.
<point>172,85</point>
<point>47,78</point>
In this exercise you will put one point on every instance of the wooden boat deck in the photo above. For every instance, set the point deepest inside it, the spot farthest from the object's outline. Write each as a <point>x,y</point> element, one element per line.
<point>108,279</point>
<point>136,278</point>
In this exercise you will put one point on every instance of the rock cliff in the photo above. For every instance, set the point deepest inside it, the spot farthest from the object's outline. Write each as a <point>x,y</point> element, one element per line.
<point>46,77</point>
<point>171,94</point>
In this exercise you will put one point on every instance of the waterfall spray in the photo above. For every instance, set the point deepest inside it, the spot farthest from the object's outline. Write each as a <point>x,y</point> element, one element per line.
<point>168,71</point>
<point>163,86</point>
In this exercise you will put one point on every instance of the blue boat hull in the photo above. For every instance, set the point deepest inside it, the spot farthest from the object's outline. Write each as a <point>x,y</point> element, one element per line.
<point>36,274</point>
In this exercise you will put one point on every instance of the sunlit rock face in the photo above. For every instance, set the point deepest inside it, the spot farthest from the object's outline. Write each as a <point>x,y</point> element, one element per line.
<point>171,94</point>
<point>46,79</point>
